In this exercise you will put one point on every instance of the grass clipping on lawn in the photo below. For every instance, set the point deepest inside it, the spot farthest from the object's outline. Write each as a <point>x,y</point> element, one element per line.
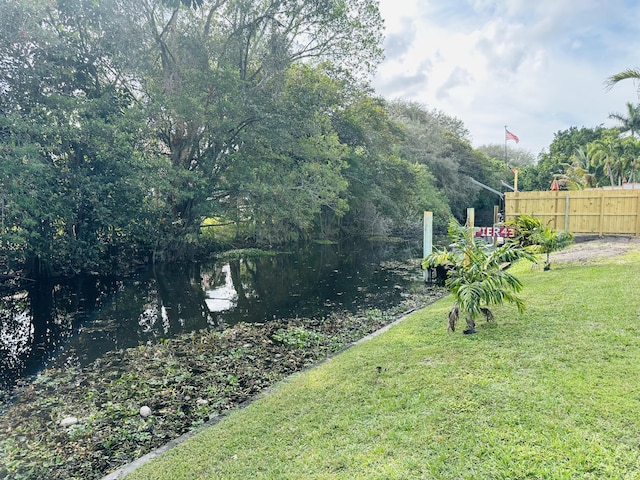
<point>553,393</point>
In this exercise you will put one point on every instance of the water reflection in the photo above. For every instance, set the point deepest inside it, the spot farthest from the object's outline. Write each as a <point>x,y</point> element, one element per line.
<point>16,330</point>
<point>77,322</point>
<point>220,298</point>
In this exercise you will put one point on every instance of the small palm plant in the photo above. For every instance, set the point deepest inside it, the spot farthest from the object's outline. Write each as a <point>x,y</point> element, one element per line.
<point>477,275</point>
<point>538,238</point>
<point>548,240</point>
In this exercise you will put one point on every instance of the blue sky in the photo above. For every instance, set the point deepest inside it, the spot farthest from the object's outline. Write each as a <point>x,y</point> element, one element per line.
<point>537,67</point>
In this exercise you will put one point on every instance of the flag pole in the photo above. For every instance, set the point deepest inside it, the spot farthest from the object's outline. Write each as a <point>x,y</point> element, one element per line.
<point>505,147</point>
<point>510,136</point>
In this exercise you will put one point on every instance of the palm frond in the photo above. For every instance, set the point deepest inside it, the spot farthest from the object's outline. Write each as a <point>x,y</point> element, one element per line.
<point>476,275</point>
<point>628,74</point>
<point>438,258</point>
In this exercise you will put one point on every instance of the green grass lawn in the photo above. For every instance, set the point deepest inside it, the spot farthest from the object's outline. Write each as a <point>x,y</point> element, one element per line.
<point>553,393</point>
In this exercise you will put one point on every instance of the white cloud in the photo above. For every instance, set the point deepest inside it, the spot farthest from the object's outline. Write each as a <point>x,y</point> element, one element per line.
<point>538,67</point>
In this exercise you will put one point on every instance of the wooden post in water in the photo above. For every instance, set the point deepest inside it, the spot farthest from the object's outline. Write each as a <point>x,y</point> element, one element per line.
<point>427,242</point>
<point>496,221</point>
<point>471,223</point>
<point>471,217</point>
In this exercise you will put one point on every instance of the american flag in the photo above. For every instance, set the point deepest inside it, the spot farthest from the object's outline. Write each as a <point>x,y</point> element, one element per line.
<point>510,136</point>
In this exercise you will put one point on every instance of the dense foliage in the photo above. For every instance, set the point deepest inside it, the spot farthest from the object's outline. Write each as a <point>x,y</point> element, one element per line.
<point>581,158</point>
<point>541,239</point>
<point>129,129</point>
<point>148,131</point>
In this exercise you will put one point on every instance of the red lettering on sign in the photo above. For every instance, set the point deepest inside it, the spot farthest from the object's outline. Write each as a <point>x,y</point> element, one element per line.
<point>504,232</point>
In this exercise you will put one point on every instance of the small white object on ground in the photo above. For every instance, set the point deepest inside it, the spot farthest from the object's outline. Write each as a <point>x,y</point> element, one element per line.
<point>68,421</point>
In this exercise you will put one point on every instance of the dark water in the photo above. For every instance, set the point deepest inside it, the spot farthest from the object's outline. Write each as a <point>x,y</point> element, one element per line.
<point>78,321</point>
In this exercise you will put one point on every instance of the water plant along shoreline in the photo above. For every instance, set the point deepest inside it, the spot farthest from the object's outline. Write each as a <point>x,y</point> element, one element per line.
<point>185,382</point>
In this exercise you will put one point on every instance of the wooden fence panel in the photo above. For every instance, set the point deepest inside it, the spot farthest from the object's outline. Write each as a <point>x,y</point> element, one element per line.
<point>597,212</point>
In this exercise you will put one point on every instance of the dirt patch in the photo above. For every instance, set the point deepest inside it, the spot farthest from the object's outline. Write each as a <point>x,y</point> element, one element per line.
<point>588,248</point>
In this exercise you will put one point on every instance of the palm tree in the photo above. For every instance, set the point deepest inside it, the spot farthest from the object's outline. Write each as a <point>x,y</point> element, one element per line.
<point>632,153</point>
<point>476,275</point>
<point>548,240</point>
<point>578,174</point>
<point>630,122</point>
<point>538,238</point>
<point>607,154</point>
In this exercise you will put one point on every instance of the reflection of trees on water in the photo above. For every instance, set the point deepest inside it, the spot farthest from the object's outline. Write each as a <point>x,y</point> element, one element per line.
<point>36,322</point>
<point>79,321</point>
<point>16,333</point>
<point>182,297</point>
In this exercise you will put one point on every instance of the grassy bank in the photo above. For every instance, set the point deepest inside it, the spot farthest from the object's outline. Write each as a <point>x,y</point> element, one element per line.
<point>553,393</point>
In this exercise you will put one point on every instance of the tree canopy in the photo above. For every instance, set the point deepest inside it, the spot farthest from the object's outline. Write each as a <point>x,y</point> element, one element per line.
<point>587,158</point>
<point>127,129</point>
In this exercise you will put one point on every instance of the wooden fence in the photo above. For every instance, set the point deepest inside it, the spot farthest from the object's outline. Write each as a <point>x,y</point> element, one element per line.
<point>597,212</point>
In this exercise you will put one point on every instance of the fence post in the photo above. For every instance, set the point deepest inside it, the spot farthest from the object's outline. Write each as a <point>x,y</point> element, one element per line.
<point>496,221</point>
<point>471,217</point>
<point>601,226</point>
<point>566,213</point>
<point>638,216</point>
<point>427,241</point>
<point>555,211</point>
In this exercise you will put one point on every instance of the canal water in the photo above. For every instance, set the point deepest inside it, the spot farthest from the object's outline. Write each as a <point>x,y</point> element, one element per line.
<point>55,324</point>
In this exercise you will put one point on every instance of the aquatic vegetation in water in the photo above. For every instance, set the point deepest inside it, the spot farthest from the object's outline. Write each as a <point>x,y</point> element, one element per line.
<point>245,253</point>
<point>183,382</point>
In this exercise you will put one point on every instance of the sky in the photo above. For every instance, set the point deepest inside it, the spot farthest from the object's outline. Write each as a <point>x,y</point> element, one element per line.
<point>537,67</point>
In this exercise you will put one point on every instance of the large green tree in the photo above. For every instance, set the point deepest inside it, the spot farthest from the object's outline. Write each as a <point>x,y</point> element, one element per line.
<point>388,191</point>
<point>441,143</point>
<point>222,91</point>
<point>289,172</point>
<point>553,163</point>
<point>134,121</point>
<point>72,175</point>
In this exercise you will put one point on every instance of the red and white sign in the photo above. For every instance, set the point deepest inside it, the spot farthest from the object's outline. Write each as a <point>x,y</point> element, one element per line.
<point>504,232</point>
